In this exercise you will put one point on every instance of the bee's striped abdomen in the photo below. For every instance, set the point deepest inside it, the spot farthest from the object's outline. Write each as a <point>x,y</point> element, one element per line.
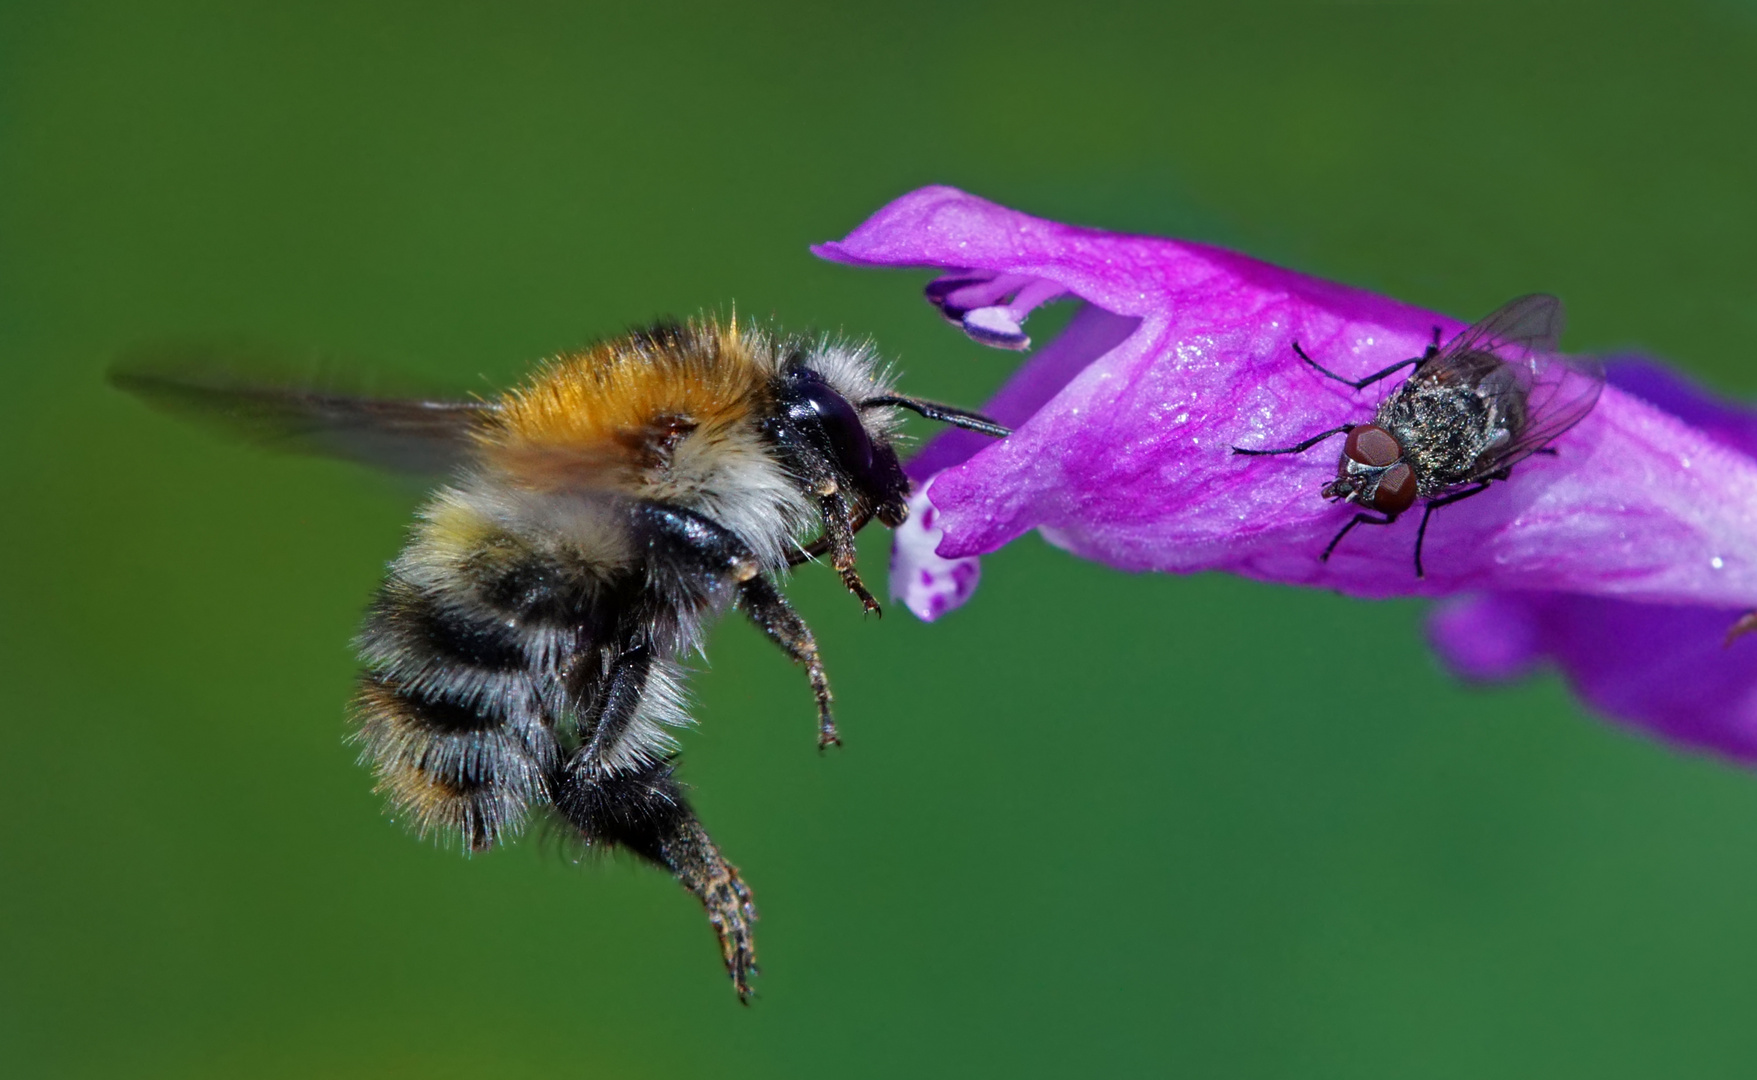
<point>456,770</point>
<point>467,647</point>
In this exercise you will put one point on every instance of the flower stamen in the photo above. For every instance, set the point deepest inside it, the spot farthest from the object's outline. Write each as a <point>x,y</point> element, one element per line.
<point>991,308</point>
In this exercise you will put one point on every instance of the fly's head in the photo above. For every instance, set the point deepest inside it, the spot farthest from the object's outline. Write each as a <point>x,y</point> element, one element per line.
<point>1372,472</point>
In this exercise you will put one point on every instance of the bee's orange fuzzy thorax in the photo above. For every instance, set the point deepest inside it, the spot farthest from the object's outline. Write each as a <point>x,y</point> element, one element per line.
<point>603,406</point>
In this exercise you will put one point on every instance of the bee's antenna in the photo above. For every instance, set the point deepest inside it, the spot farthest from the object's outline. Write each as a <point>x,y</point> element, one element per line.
<point>946,414</point>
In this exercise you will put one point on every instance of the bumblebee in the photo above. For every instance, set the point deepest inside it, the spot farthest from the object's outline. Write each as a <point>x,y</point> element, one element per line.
<point>524,654</point>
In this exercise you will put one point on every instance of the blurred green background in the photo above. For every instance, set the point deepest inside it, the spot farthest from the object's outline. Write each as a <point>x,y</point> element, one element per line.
<point>1090,825</point>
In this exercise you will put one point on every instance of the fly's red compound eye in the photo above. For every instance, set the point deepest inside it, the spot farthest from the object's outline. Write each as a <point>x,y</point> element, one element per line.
<point>1372,445</point>
<point>1396,490</point>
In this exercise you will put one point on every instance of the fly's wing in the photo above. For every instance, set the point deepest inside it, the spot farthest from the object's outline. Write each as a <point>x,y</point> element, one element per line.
<point>1519,329</point>
<point>1558,393</point>
<point>424,436</point>
<point>1510,359</point>
<point>1479,356</point>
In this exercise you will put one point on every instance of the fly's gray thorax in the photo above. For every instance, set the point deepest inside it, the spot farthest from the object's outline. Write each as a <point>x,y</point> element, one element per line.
<point>1444,429</point>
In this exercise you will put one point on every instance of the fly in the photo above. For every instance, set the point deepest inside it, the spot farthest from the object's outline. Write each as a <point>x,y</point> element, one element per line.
<point>1491,397</point>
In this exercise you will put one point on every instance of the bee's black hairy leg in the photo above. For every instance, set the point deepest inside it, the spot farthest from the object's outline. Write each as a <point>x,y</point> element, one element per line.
<point>775,617</point>
<point>690,543</point>
<point>839,531</point>
<point>822,545</point>
<point>1298,448</point>
<point>644,811</point>
<point>614,695</point>
<point>1421,532</point>
<point>692,857</point>
<point>816,549</point>
<point>1363,383</point>
<point>1362,518</point>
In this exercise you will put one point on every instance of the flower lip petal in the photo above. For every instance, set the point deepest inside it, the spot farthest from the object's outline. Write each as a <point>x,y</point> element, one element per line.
<point>925,583</point>
<point>1089,335</point>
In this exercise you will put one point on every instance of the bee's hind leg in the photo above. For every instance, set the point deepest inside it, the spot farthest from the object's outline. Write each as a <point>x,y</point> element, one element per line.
<point>644,811</point>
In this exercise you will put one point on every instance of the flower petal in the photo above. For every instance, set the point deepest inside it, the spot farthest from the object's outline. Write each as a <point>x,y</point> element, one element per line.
<point>1664,669</point>
<point>928,584</point>
<point>1129,462</point>
<point>1734,425</point>
<point>1658,668</point>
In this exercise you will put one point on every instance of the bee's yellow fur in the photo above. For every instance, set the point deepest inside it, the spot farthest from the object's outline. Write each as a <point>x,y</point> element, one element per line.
<point>595,416</point>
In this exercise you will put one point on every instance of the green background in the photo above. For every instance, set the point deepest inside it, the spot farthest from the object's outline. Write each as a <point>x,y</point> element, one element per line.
<point>1092,824</point>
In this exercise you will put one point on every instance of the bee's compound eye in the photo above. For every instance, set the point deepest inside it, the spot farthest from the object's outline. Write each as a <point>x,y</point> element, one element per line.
<point>1396,490</point>
<point>1372,445</point>
<point>815,402</point>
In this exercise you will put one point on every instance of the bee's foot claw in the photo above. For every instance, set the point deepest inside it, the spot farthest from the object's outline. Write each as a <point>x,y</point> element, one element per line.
<point>731,912</point>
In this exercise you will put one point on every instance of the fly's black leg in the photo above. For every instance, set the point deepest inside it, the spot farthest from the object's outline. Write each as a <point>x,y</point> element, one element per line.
<point>1361,383</point>
<point>644,811</point>
<point>774,616</point>
<point>1298,448</point>
<point>1362,518</point>
<point>1429,353</point>
<point>1546,451</point>
<point>1421,533</point>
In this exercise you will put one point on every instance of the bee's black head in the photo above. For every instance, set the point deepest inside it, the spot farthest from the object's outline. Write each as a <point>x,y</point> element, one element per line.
<point>817,420</point>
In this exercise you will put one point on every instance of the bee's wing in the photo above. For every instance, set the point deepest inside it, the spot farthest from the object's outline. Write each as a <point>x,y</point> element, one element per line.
<point>1528,326</point>
<point>1559,392</point>
<point>410,435</point>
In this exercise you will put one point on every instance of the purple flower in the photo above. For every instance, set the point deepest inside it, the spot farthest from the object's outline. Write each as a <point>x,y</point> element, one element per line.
<point>1121,452</point>
<point>1664,668</point>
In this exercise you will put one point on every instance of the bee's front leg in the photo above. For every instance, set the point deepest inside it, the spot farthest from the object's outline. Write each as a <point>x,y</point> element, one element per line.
<point>774,616</point>
<point>839,526</point>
